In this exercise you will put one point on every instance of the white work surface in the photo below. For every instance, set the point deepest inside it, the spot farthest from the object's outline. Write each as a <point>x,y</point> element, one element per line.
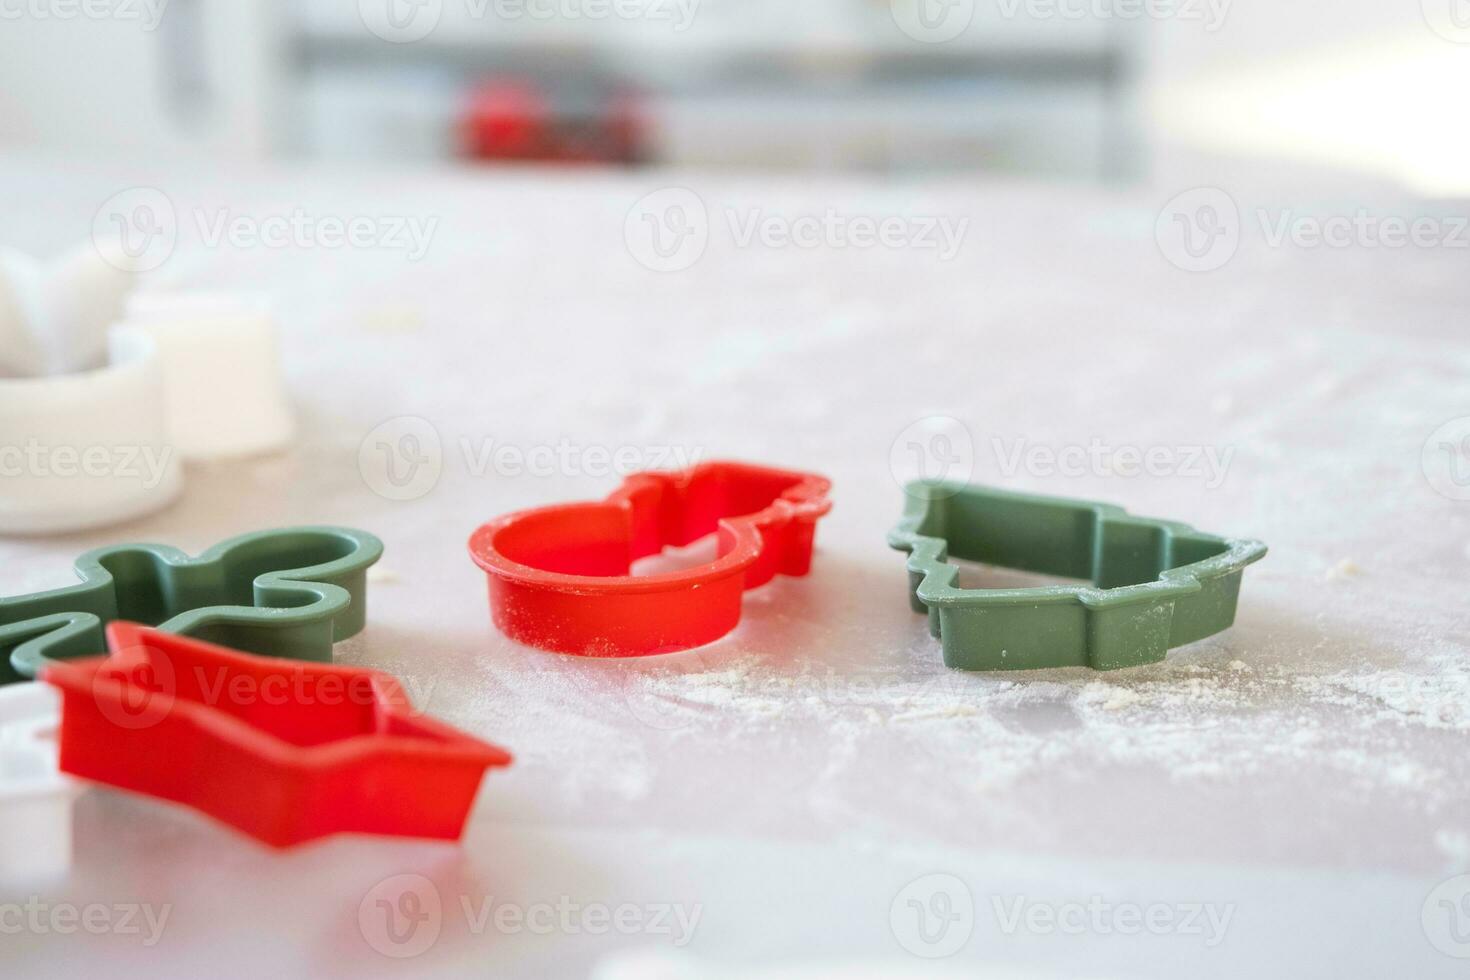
<point>1305,773</point>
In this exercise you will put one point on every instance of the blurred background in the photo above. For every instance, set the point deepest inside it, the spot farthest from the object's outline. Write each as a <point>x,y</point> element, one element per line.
<point>1092,90</point>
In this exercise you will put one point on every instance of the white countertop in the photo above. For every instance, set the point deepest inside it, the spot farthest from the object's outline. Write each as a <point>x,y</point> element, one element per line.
<point>1304,773</point>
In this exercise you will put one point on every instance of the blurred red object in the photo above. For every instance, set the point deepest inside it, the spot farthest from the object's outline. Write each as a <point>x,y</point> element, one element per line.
<point>516,119</point>
<point>506,120</point>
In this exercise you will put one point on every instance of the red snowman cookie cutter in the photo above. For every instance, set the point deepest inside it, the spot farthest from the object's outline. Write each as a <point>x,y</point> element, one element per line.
<point>282,750</point>
<point>559,576</point>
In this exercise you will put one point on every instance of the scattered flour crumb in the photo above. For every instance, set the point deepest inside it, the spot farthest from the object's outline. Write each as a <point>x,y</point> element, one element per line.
<point>1108,697</point>
<point>1440,700</point>
<point>382,576</point>
<point>1238,665</point>
<point>934,714</point>
<point>1347,568</point>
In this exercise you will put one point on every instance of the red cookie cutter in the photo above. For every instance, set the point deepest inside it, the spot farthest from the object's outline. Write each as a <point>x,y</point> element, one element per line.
<point>282,750</point>
<point>559,575</point>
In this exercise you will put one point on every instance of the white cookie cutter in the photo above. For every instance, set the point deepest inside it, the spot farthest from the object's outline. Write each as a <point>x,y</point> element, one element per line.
<point>54,315</point>
<point>87,449</point>
<point>36,798</point>
<point>220,353</point>
<point>191,376</point>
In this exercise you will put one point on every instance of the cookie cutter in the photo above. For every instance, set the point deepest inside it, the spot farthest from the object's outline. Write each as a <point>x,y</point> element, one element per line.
<point>1155,584</point>
<point>224,389</point>
<point>95,414</point>
<point>87,449</point>
<point>282,751</point>
<point>83,442</point>
<point>54,315</point>
<point>36,800</point>
<point>287,592</point>
<point>559,576</point>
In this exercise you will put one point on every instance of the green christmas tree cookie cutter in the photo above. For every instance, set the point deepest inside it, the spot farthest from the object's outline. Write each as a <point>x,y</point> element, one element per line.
<point>1154,584</point>
<point>289,592</point>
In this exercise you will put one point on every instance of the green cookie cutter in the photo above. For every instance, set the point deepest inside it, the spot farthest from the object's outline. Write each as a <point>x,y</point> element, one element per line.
<point>1155,584</point>
<point>289,592</point>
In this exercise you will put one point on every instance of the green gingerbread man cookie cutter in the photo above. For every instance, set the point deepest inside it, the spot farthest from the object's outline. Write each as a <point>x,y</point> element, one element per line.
<point>1155,584</point>
<point>288,592</point>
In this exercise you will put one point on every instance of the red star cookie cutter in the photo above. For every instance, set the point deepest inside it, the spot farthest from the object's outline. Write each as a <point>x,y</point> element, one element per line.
<point>559,576</point>
<point>284,751</point>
